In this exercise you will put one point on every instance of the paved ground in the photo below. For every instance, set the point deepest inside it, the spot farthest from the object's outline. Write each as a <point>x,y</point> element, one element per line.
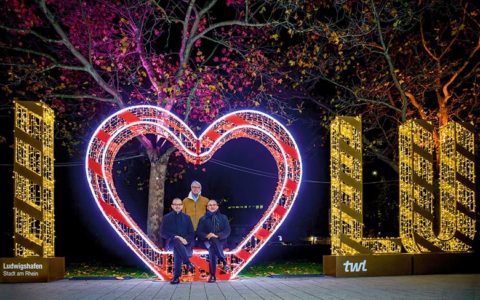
<point>465,286</point>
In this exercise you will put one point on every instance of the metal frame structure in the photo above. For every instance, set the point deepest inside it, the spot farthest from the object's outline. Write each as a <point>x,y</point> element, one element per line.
<point>130,122</point>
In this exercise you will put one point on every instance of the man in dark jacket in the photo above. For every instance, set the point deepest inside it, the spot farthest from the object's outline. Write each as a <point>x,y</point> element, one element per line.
<point>213,230</point>
<point>177,230</point>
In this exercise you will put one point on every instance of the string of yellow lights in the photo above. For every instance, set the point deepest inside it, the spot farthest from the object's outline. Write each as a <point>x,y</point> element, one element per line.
<point>34,232</point>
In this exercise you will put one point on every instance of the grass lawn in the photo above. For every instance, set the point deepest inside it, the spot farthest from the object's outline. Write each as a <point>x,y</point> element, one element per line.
<point>282,268</point>
<point>99,270</point>
<point>256,270</point>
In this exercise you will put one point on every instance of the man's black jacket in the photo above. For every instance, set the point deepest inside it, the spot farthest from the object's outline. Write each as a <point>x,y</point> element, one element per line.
<point>177,224</point>
<point>213,222</point>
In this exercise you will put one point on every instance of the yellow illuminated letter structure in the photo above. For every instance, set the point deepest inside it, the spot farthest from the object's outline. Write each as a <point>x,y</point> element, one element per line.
<point>428,251</point>
<point>33,174</point>
<point>347,193</point>
<point>34,233</point>
<point>457,187</point>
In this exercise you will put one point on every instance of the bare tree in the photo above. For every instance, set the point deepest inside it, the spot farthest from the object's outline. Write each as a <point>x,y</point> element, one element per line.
<point>389,61</point>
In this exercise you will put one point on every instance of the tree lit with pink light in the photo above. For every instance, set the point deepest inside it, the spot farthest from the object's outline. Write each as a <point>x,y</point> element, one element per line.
<point>88,59</point>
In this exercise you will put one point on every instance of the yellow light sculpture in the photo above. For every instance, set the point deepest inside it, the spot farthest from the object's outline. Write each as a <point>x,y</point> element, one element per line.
<point>34,233</point>
<point>457,187</point>
<point>347,193</point>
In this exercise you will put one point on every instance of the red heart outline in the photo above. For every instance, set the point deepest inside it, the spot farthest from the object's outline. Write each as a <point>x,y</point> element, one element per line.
<point>130,122</point>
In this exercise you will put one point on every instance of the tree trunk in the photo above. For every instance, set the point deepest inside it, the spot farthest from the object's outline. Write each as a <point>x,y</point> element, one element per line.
<point>156,193</point>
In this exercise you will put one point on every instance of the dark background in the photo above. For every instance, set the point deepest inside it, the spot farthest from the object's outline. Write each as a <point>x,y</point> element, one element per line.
<point>82,235</point>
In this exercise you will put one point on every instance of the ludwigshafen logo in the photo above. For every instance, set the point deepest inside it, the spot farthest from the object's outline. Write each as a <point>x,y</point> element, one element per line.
<point>22,267</point>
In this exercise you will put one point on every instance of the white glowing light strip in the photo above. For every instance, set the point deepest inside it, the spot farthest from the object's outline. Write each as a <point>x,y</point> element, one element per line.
<point>158,124</point>
<point>200,138</point>
<point>267,215</point>
<point>272,206</point>
<point>127,217</point>
<point>259,224</point>
<point>110,193</point>
<point>162,111</point>
<point>120,233</point>
<point>280,193</point>
<point>236,113</point>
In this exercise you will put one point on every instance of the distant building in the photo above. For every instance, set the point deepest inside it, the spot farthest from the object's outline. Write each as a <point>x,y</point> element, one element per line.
<point>254,206</point>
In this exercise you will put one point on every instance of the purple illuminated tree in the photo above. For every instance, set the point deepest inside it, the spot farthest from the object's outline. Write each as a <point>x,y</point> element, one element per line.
<point>89,58</point>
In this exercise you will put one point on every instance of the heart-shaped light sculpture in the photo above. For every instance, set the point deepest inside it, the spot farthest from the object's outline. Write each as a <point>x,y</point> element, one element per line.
<point>130,122</point>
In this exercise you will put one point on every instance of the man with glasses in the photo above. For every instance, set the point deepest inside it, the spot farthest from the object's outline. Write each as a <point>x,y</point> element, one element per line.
<point>177,230</point>
<point>195,204</point>
<point>213,230</point>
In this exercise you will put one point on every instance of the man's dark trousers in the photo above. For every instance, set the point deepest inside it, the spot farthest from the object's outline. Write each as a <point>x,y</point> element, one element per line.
<point>215,250</point>
<point>180,255</point>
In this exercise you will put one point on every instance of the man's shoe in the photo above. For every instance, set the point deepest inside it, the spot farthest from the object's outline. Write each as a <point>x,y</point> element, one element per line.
<point>212,279</point>
<point>175,280</point>
<point>226,268</point>
<point>190,267</point>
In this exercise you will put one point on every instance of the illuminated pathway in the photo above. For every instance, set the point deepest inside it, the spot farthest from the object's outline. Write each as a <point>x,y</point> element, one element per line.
<point>465,286</point>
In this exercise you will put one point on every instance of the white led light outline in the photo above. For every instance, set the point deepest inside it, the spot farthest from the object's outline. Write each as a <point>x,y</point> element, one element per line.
<point>160,124</point>
<point>211,149</point>
<point>110,193</point>
<point>206,153</point>
<point>259,224</point>
<point>140,232</point>
<point>114,226</point>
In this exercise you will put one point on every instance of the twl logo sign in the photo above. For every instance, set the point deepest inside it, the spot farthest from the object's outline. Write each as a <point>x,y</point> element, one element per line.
<point>367,265</point>
<point>355,266</point>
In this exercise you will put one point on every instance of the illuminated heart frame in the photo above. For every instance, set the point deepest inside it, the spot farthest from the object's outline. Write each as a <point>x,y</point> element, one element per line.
<point>130,122</point>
